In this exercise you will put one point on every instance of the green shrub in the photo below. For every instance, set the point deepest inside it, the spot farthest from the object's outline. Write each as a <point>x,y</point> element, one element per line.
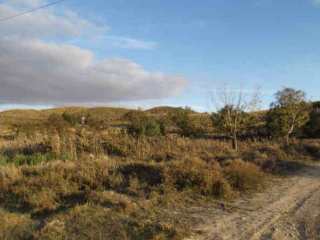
<point>21,159</point>
<point>312,127</point>
<point>57,123</point>
<point>96,122</point>
<point>188,127</point>
<point>148,127</point>
<point>72,120</point>
<point>142,125</point>
<point>3,160</point>
<point>134,115</point>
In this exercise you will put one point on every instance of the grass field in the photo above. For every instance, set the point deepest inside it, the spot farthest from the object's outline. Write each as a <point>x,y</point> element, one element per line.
<point>89,182</point>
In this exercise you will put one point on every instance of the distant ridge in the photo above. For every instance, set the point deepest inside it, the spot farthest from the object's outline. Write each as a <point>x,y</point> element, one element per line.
<point>98,111</point>
<point>164,110</point>
<point>45,113</point>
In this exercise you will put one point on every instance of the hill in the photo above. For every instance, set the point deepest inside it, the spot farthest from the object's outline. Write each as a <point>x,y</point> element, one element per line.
<point>9,118</point>
<point>45,113</point>
<point>165,110</point>
<point>100,112</point>
<point>61,110</point>
<point>22,113</point>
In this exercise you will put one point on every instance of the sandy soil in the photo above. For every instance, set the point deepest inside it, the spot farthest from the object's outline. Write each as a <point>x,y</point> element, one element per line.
<point>279,212</point>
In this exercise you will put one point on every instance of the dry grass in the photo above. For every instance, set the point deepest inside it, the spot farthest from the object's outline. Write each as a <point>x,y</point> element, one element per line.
<point>92,198</point>
<point>16,225</point>
<point>244,176</point>
<point>312,225</point>
<point>58,182</point>
<point>201,177</point>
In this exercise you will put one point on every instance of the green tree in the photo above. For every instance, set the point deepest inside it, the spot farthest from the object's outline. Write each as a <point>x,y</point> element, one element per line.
<point>236,111</point>
<point>289,112</point>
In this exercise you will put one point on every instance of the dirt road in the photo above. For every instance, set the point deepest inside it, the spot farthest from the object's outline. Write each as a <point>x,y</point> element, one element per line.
<point>277,213</point>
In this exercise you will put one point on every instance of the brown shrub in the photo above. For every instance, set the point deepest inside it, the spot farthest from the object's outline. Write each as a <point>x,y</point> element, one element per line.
<point>305,149</point>
<point>111,199</point>
<point>92,222</point>
<point>154,230</point>
<point>244,176</point>
<point>198,175</point>
<point>311,225</point>
<point>84,222</point>
<point>52,230</point>
<point>16,226</point>
<point>46,188</point>
<point>150,173</point>
<point>312,148</point>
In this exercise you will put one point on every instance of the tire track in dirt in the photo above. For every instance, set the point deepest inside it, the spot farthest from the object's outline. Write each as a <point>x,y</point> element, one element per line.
<point>275,224</point>
<point>272,214</point>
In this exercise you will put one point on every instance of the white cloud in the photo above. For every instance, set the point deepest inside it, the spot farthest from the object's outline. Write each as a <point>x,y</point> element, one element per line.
<point>35,69</point>
<point>48,23</point>
<point>36,72</point>
<point>44,23</point>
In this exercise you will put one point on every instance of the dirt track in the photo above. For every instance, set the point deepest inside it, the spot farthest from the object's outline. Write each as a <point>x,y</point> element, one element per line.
<point>277,213</point>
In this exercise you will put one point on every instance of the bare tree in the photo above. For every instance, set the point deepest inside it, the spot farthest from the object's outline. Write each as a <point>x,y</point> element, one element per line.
<point>236,110</point>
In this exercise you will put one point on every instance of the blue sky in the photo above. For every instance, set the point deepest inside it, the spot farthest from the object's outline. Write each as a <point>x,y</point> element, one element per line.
<point>151,53</point>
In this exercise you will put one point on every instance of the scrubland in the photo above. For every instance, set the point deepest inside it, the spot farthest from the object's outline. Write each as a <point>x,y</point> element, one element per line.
<point>99,181</point>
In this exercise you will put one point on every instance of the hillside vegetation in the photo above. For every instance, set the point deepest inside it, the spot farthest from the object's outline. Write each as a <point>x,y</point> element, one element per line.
<point>130,174</point>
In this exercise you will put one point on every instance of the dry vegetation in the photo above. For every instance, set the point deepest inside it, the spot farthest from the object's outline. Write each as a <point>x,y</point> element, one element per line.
<point>99,182</point>
<point>312,228</point>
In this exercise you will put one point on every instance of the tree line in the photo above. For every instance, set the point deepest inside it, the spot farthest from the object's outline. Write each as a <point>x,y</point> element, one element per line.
<point>240,113</point>
<point>237,114</point>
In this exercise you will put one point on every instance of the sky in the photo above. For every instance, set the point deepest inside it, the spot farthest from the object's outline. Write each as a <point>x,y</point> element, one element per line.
<point>146,53</point>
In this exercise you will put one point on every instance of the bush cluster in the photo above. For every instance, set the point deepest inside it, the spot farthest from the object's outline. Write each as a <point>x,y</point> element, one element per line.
<point>187,126</point>
<point>143,125</point>
<point>72,120</point>
<point>52,186</point>
<point>78,182</point>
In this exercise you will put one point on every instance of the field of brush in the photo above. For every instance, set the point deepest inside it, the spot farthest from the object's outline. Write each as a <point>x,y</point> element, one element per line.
<point>97,181</point>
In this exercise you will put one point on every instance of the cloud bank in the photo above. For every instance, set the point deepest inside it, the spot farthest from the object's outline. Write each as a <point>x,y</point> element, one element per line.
<point>37,69</point>
<point>36,72</point>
